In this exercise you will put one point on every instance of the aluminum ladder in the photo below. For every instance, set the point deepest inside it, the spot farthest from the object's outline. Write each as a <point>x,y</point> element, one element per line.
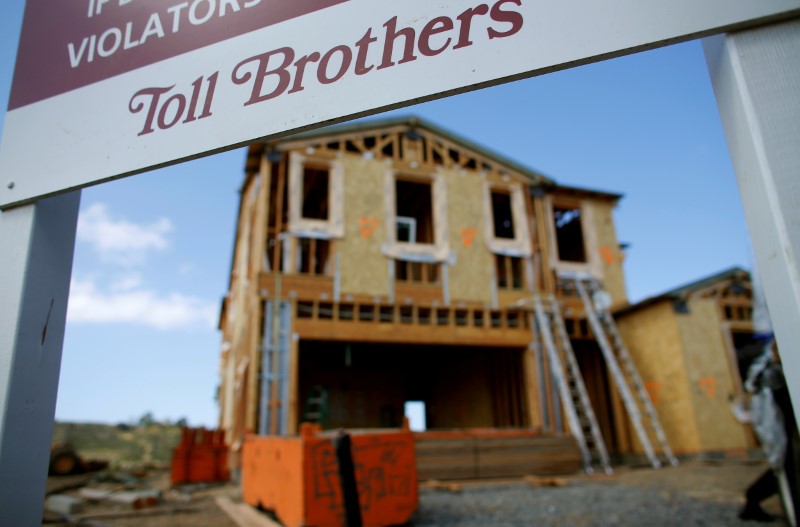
<point>572,390</point>
<point>623,370</point>
<point>273,415</point>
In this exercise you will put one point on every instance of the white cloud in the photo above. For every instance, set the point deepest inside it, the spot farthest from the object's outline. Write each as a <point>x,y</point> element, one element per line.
<point>127,283</point>
<point>136,305</point>
<point>121,240</point>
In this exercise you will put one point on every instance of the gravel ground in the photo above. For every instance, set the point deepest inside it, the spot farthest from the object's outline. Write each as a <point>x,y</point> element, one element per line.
<point>687,496</point>
<point>694,494</point>
<point>581,505</point>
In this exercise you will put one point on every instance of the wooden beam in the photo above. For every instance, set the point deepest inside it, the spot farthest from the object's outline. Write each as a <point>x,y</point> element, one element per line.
<point>547,279</point>
<point>244,515</point>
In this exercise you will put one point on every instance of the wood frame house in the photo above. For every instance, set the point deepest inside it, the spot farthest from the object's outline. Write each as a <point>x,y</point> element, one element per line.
<point>691,345</point>
<point>390,260</point>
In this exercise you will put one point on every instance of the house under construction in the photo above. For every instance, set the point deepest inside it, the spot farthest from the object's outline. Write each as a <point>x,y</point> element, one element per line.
<point>390,261</point>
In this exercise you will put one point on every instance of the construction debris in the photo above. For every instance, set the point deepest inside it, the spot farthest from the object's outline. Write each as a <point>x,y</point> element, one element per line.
<point>435,484</point>
<point>65,460</point>
<point>100,500</point>
<point>64,505</point>
<point>131,499</point>
<point>244,515</point>
<point>537,481</point>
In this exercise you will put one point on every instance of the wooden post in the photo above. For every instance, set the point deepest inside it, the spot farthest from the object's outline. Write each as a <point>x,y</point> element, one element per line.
<point>37,243</point>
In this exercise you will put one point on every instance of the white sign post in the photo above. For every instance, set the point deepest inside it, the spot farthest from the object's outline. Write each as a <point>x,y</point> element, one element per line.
<point>108,88</point>
<point>37,246</point>
<point>756,79</point>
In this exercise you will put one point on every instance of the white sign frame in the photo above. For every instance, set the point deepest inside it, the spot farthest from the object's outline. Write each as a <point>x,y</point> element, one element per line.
<point>130,122</point>
<point>38,234</point>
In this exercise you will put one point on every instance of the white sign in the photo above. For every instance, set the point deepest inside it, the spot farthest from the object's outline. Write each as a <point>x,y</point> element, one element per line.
<point>108,88</point>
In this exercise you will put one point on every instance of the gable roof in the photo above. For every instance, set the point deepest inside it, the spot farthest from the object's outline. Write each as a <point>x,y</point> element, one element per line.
<point>413,122</point>
<point>683,292</point>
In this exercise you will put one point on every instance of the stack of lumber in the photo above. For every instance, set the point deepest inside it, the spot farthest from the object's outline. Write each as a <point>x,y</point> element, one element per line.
<point>492,453</point>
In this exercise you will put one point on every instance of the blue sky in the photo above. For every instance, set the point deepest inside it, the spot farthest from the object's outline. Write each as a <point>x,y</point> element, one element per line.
<point>153,251</point>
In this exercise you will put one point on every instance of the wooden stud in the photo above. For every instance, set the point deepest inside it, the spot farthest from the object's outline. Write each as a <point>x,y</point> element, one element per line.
<point>282,170</point>
<point>548,279</point>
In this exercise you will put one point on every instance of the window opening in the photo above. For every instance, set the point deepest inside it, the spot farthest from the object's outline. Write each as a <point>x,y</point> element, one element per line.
<point>407,315</point>
<point>414,200</point>
<point>424,315</point>
<point>569,234</point>
<point>305,310</point>
<point>388,149</point>
<point>415,412</point>
<point>416,272</point>
<point>313,256</point>
<point>502,215</point>
<point>387,314</point>
<point>316,182</point>
<point>406,230</point>
<point>345,311</point>
<point>366,313</point>
<point>509,272</point>
<point>325,311</point>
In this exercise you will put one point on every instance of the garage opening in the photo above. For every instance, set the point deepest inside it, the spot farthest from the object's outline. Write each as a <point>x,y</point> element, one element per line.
<point>373,385</point>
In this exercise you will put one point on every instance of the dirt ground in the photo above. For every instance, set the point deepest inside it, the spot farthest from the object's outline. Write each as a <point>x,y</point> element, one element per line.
<point>719,484</point>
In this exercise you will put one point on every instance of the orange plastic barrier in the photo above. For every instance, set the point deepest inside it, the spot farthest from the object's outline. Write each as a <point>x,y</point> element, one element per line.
<point>200,457</point>
<point>298,478</point>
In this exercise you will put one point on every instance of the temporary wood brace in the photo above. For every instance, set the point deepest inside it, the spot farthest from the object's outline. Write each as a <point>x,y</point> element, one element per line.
<point>626,377</point>
<point>582,420</point>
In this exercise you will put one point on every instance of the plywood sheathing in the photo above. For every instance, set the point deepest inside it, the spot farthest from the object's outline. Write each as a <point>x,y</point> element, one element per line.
<point>608,252</point>
<point>655,344</point>
<point>709,376</point>
<point>363,266</point>
<point>470,278</point>
<point>237,333</point>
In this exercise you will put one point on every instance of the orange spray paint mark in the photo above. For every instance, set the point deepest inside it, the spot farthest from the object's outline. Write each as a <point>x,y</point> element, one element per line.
<point>368,226</point>
<point>468,236</point>
<point>708,385</point>
<point>607,254</point>
<point>653,390</point>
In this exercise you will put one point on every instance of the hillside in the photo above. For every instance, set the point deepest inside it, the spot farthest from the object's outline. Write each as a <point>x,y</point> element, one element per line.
<point>121,445</point>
